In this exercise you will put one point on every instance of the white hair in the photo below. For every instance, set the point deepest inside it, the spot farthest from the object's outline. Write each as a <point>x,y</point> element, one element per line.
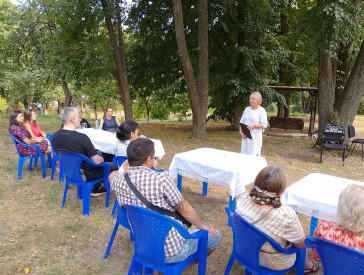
<point>259,97</point>
<point>67,113</point>
<point>350,209</point>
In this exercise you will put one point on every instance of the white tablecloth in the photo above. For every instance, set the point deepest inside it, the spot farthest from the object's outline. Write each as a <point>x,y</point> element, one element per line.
<point>218,167</point>
<point>316,195</point>
<point>106,141</point>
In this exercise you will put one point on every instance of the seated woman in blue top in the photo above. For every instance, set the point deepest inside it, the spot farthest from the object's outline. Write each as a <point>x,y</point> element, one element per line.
<point>109,122</point>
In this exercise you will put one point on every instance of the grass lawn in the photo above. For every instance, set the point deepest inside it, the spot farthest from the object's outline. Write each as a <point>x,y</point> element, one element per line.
<point>35,233</point>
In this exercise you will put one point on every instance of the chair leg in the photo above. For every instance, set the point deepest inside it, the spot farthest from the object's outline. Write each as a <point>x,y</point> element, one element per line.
<point>79,192</point>
<point>321,154</point>
<point>43,163</point>
<point>35,162</point>
<point>20,167</point>
<point>133,267</point>
<point>86,195</point>
<point>148,271</point>
<point>53,166</point>
<point>30,164</point>
<point>65,194</point>
<point>111,240</point>
<point>113,212</point>
<point>229,265</point>
<point>107,195</point>
<point>61,173</point>
<point>344,151</point>
<point>50,160</point>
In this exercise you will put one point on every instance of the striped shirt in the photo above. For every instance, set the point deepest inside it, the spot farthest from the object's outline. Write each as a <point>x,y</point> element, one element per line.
<point>281,224</point>
<point>159,189</point>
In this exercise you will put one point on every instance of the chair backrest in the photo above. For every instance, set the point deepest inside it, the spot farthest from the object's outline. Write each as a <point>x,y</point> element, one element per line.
<point>150,230</point>
<point>334,133</point>
<point>15,140</point>
<point>337,259</point>
<point>119,160</point>
<point>122,217</point>
<point>248,240</point>
<point>72,165</point>
<point>351,131</point>
<point>55,154</point>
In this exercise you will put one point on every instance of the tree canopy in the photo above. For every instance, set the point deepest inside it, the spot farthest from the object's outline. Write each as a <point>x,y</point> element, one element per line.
<point>162,57</point>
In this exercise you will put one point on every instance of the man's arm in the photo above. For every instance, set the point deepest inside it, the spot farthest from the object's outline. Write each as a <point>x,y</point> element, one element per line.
<point>187,211</point>
<point>97,159</point>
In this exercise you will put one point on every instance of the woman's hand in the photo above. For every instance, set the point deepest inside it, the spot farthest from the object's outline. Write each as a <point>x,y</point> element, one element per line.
<point>251,126</point>
<point>37,139</point>
<point>241,133</point>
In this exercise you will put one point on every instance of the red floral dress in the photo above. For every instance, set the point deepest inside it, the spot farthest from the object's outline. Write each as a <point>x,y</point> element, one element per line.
<point>20,133</point>
<point>332,232</point>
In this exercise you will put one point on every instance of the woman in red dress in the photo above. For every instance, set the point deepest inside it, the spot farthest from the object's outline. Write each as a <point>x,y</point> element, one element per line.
<point>31,125</point>
<point>349,229</point>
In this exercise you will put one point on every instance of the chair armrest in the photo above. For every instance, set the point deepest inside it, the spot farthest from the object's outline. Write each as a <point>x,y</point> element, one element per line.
<point>37,147</point>
<point>89,161</point>
<point>198,234</point>
<point>287,251</point>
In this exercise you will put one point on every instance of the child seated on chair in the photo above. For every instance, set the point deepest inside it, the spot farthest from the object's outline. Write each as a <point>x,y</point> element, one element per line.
<point>349,229</point>
<point>262,208</point>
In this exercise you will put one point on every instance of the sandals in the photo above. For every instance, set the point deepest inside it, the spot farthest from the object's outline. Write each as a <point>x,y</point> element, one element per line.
<point>314,268</point>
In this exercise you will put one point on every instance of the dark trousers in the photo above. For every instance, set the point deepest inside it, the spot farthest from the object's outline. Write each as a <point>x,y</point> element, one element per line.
<point>98,172</point>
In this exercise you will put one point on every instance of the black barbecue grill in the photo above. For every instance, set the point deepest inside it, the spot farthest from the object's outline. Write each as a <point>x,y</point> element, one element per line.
<point>333,138</point>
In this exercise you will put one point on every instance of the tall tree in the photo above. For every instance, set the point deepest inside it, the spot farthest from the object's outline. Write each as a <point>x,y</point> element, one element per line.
<point>113,20</point>
<point>197,92</point>
<point>339,38</point>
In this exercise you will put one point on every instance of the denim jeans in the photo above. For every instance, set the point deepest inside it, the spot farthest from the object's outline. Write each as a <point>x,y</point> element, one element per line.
<point>190,247</point>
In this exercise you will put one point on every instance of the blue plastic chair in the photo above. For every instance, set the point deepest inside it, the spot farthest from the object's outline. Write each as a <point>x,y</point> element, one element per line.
<point>248,240</point>
<point>54,162</point>
<point>150,230</point>
<point>117,161</point>
<point>121,219</point>
<point>31,158</point>
<point>337,259</point>
<point>72,166</point>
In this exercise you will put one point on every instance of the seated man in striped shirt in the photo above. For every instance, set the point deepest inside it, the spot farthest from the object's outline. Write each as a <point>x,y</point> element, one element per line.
<point>160,190</point>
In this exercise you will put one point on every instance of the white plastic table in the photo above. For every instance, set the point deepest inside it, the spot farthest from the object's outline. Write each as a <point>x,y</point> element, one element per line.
<point>106,141</point>
<point>223,168</point>
<point>316,195</point>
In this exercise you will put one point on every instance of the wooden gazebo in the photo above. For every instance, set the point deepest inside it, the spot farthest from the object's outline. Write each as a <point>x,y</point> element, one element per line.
<point>313,93</point>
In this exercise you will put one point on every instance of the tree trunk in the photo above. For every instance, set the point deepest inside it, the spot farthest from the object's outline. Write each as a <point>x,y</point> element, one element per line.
<point>203,68</point>
<point>238,105</point>
<point>67,93</point>
<point>238,111</point>
<point>339,97</point>
<point>119,57</point>
<point>197,95</point>
<point>326,91</point>
<point>353,91</point>
<point>283,110</point>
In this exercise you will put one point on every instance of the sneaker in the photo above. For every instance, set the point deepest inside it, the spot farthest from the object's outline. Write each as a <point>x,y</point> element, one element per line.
<point>97,192</point>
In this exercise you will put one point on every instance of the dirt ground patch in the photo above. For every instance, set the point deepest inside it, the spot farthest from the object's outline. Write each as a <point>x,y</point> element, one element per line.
<point>35,233</point>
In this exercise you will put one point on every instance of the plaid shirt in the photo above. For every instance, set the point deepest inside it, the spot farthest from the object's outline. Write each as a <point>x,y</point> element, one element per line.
<point>159,189</point>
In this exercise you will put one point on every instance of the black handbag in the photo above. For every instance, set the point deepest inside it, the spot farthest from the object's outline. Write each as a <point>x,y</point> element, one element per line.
<point>173,214</point>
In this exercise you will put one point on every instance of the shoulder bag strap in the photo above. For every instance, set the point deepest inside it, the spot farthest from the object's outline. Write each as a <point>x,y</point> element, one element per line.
<point>145,201</point>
